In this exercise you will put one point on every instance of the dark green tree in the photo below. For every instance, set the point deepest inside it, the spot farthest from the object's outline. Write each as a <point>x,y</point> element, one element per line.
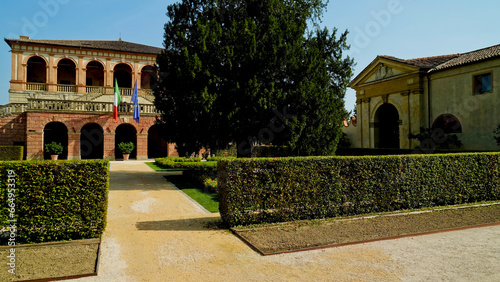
<point>252,72</point>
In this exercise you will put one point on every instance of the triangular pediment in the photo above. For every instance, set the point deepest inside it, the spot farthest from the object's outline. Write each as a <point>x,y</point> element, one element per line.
<point>382,69</point>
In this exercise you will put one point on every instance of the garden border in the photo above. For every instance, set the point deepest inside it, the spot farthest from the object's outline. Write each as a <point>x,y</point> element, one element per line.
<point>62,243</point>
<point>236,231</point>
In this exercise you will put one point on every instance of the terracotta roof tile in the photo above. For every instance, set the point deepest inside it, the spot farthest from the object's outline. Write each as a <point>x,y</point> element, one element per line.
<point>424,63</point>
<point>114,45</point>
<point>470,57</point>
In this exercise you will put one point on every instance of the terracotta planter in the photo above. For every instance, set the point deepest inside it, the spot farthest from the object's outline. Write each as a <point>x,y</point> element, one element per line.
<point>54,157</point>
<point>126,156</point>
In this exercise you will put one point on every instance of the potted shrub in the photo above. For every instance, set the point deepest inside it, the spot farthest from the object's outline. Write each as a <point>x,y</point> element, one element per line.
<point>54,149</point>
<point>126,148</point>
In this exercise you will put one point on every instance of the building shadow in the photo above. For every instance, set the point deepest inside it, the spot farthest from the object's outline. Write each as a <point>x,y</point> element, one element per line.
<point>185,224</point>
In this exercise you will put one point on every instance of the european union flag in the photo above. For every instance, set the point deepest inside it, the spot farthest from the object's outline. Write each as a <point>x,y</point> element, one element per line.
<point>135,100</point>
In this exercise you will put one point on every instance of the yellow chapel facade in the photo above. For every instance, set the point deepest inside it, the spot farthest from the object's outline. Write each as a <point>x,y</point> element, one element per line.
<point>458,94</point>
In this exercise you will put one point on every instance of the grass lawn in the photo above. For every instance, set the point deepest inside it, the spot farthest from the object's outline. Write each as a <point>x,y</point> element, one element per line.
<point>208,200</point>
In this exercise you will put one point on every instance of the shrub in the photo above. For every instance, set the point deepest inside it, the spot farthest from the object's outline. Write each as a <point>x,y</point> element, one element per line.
<point>55,200</point>
<point>229,151</point>
<point>267,151</point>
<point>171,163</point>
<point>284,189</point>
<point>54,148</point>
<point>497,134</point>
<point>210,184</point>
<point>11,153</point>
<point>126,147</point>
<point>450,141</point>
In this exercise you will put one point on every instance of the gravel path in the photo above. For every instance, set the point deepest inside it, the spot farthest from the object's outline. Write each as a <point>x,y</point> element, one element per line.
<point>155,233</point>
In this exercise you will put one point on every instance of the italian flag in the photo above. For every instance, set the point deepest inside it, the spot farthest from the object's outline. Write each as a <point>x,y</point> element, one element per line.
<point>117,101</point>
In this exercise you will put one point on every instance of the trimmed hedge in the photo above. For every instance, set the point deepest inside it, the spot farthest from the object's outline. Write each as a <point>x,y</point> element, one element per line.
<point>385,152</point>
<point>11,153</point>
<point>285,189</point>
<point>54,200</point>
<point>183,164</point>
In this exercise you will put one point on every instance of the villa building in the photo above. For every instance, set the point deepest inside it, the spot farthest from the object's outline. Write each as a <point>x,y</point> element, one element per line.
<point>62,90</point>
<point>458,93</point>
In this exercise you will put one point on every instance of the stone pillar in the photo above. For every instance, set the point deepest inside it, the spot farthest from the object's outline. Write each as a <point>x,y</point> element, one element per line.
<point>405,119</point>
<point>34,145</point>
<point>137,75</point>
<point>365,127</point>
<point>416,111</point>
<point>108,74</point>
<point>52,75</point>
<point>73,145</point>
<point>109,146</point>
<point>80,77</point>
<point>142,146</point>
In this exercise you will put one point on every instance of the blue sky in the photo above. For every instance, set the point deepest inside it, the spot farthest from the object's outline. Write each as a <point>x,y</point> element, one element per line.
<point>401,28</point>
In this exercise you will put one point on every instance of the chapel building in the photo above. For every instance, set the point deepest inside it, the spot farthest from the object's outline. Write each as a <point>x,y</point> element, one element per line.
<point>457,93</point>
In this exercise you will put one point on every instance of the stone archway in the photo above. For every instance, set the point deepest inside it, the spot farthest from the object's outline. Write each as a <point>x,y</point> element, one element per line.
<point>94,74</point>
<point>123,75</point>
<point>125,133</point>
<point>91,142</point>
<point>157,146</point>
<point>386,127</point>
<point>56,132</point>
<point>66,72</point>
<point>36,70</point>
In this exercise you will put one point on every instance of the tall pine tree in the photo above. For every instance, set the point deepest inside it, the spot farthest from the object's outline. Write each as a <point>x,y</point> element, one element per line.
<point>247,72</point>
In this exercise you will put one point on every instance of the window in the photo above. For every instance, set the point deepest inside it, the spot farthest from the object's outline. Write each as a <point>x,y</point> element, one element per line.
<point>482,83</point>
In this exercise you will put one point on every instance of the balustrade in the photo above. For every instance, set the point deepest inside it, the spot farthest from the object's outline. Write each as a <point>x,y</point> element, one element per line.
<point>66,88</point>
<point>86,106</point>
<point>36,86</point>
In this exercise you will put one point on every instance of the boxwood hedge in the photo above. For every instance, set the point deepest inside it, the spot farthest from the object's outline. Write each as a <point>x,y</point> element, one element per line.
<point>284,189</point>
<point>53,200</point>
<point>11,153</point>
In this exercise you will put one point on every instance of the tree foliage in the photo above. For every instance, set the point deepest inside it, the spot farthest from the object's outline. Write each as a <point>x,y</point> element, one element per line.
<point>252,72</point>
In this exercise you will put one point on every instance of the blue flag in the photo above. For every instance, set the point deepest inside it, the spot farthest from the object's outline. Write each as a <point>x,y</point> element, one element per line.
<point>135,100</point>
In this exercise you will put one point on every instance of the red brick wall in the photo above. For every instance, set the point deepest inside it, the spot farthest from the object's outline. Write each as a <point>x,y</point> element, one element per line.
<point>13,129</point>
<point>29,127</point>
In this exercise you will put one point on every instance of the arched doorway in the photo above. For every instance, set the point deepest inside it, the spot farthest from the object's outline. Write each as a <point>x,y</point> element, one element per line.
<point>91,142</point>
<point>387,127</point>
<point>36,70</point>
<point>125,133</point>
<point>66,72</point>
<point>94,74</point>
<point>56,132</point>
<point>123,75</point>
<point>157,146</point>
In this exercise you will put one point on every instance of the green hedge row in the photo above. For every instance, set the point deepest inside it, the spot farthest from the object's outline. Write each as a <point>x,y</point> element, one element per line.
<point>11,153</point>
<point>384,152</point>
<point>170,163</point>
<point>284,189</point>
<point>53,201</point>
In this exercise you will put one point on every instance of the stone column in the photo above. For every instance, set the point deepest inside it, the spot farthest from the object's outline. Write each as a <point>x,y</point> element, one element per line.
<point>405,119</point>
<point>109,146</point>
<point>34,145</point>
<point>52,75</point>
<point>73,145</point>
<point>366,123</point>
<point>80,77</point>
<point>108,74</point>
<point>142,146</point>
